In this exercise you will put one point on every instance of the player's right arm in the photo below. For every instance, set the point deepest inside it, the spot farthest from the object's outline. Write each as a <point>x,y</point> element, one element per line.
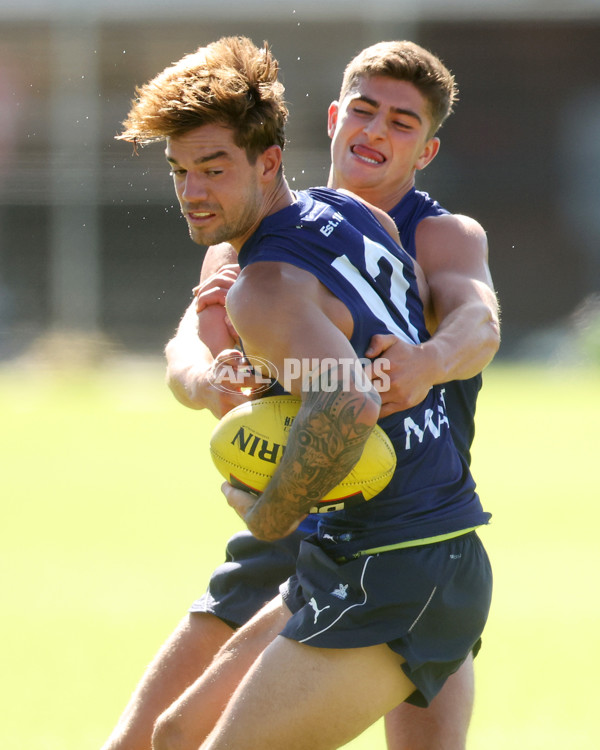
<point>286,316</point>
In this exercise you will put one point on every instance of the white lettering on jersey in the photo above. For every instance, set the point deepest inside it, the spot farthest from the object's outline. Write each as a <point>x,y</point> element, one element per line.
<point>399,287</point>
<point>335,220</point>
<point>412,428</point>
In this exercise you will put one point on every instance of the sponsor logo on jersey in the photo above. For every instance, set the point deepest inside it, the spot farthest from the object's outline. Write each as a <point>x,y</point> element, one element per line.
<point>432,424</point>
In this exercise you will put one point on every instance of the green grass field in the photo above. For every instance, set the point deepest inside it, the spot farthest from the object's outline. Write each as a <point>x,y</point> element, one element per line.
<point>112,521</point>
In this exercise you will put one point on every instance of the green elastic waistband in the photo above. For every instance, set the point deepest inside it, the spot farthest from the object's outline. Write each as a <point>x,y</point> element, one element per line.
<point>410,543</point>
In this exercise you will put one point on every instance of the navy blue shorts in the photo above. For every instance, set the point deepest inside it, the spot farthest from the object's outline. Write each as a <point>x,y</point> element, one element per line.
<point>250,577</point>
<point>428,603</point>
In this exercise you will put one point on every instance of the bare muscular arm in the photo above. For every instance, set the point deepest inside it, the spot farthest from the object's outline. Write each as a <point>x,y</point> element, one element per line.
<point>201,336</point>
<point>452,252</point>
<point>302,321</point>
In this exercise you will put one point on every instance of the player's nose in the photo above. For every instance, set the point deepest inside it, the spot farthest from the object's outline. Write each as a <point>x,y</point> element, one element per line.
<point>194,187</point>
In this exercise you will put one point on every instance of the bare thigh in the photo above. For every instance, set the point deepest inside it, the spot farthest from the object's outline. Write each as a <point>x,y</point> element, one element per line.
<point>182,658</point>
<point>296,697</point>
<point>441,726</point>
<point>191,718</point>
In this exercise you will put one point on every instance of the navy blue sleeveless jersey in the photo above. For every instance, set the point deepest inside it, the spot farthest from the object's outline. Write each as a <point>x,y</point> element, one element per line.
<point>460,395</point>
<point>338,239</point>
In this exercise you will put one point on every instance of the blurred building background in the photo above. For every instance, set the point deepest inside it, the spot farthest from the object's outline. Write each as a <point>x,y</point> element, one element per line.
<point>92,244</point>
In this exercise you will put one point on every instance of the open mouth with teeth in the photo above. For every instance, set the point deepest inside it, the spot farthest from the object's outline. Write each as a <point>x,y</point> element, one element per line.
<point>367,155</point>
<point>199,215</point>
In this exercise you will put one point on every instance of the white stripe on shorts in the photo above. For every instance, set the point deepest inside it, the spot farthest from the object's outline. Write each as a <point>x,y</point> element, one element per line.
<point>358,604</point>
<point>422,612</point>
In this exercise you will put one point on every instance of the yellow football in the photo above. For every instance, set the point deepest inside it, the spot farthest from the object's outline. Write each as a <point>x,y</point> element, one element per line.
<point>248,443</point>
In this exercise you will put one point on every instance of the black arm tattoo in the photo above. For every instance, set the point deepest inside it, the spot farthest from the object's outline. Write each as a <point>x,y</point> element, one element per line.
<point>325,443</point>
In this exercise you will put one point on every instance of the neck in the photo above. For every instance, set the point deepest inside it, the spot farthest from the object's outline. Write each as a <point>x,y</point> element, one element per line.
<point>281,197</point>
<point>373,194</point>
<point>275,200</point>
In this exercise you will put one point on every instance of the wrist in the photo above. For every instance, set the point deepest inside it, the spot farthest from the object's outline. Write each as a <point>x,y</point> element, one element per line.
<point>435,362</point>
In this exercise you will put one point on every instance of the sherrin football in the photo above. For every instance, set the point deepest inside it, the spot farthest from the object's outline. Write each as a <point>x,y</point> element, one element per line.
<point>248,442</point>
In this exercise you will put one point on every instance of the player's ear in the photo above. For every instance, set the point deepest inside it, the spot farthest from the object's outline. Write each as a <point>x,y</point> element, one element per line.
<point>269,162</point>
<point>332,116</point>
<point>429,153</point>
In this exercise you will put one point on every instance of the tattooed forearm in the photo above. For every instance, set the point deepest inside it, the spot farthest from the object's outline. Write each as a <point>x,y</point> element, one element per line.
<point>325,442</point>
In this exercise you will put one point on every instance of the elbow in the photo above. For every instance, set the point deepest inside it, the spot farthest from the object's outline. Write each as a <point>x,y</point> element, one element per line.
<point>373,405</point>
<point>271,527</point>
<point>182,380</point>
<point>172,382</point>
<point>489,331</point>
<point>494,337</point>
<point>178,389</point>
<point>270,536</point>
<point>271,532</point>
<point>495,316</point>
<point>173,378</point>
<point>495,342</point>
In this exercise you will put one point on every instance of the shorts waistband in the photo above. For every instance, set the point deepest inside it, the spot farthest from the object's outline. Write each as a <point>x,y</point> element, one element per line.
<point>408,543</point>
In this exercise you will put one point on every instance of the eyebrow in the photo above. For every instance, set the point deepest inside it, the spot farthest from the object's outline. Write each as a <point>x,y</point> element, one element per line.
<point>396,110</point>
<point>200,159</point>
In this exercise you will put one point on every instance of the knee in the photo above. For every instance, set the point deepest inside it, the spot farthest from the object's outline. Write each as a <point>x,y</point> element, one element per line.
<point>167,734</point>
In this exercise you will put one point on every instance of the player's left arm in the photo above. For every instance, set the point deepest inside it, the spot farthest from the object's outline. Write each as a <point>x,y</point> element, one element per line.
<point>204,337</point>
<point>452,251</point>
<point>285,315</point>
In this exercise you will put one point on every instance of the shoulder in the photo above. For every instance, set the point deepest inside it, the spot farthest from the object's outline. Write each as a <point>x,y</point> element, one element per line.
<point>454,224</point>
<point>263,286</point>
<point>284,303</point>
<point>452,235</point>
